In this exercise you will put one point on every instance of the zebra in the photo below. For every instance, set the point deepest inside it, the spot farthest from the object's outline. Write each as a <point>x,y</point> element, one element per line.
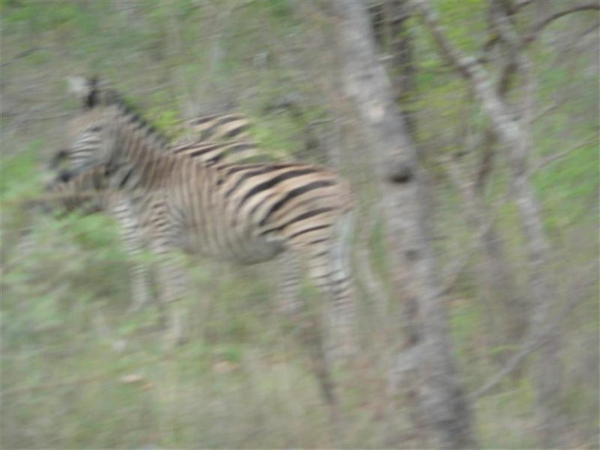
<point>198,145</point>
<point>245,213</point>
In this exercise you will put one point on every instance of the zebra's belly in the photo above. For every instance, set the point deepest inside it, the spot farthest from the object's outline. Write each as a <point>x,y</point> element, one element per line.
<point>243,248</point>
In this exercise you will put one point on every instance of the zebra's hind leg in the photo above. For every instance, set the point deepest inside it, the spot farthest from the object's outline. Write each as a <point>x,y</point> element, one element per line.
<point>330,273</point>
<point>342,308</point>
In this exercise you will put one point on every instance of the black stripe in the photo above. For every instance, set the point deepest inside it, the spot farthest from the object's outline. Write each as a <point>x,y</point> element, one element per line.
<point>308,214</point>
<point>203,119</point>
<point>258,205</point>
<point>235,132</point>
<point>295,193</point>
<point>261,169</point>
<point>317,241</point>
<point>181,148</point>
<point>308,230</point>
<point>264,167</point>
<point>303,216</point>
<point>123,182</point>
<point>202,151</point>
<point>272,183</point>
<point>222,118</point>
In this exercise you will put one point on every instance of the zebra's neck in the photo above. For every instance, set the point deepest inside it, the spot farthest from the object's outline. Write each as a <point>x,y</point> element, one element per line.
<point>139,156</point>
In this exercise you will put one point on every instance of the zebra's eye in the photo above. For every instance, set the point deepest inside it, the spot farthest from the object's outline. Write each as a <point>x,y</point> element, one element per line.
<point>64,176</point>
<point>58,159</point>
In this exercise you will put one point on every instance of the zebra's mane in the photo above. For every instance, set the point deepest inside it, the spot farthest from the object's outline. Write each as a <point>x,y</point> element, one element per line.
<point>98,97</point>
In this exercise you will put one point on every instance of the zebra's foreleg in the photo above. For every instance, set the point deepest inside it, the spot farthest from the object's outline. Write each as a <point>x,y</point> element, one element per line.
<point>172,283</point>
<point>123,212</point>
<point>288,296</point>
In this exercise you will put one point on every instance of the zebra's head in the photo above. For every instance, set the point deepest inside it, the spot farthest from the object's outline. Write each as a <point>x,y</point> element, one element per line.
<point>85,137</point>
<point>91,139</point>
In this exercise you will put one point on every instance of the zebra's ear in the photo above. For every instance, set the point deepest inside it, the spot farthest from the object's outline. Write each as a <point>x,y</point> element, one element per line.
<point>78,86</point>
<point>85,90</point>
<point>57,159</point>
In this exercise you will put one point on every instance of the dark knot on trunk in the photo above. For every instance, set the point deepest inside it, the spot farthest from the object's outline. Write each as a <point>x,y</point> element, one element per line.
<point>399,171</point>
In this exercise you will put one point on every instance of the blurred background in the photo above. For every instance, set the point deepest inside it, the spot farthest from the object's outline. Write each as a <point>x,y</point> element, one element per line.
<point>78,372</point>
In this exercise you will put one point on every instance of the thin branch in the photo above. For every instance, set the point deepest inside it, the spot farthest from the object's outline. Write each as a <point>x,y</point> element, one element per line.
<point>501,23</point>
<point>539,26</point>
<point>451,56</point>
<point>501,117</point>
<point>536,337</point>
<point>550,159</point>
<point>453,274</point>
<point>588,31</point>
<point>21,56</point>
<point>494,39</point>
<point>522,4</point>
<point>557,104</point>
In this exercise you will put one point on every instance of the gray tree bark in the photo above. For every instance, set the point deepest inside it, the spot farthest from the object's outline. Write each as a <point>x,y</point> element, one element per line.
<point>396,13</point>
<point>440,395</point>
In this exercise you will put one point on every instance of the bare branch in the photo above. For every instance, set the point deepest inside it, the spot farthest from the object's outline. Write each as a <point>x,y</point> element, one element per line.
<point>588,31</point>
<point>494,39</point>
<point>451,56</point>
<point>539,26</point>
<point>453,274</point>
<point>20,56</point>
<point>522,4</point>
<point>554,106</point>
<point>501,116</point>
<point>550,159</point>
<point>536,338</point>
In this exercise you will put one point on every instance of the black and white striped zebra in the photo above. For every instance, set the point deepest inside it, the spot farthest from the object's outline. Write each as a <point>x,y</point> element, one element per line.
<point>202,144</point>
<point>246,213</point>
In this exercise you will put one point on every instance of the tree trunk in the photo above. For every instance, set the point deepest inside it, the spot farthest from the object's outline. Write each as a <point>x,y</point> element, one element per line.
<point>403,65</point>
<point>440,396</point>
